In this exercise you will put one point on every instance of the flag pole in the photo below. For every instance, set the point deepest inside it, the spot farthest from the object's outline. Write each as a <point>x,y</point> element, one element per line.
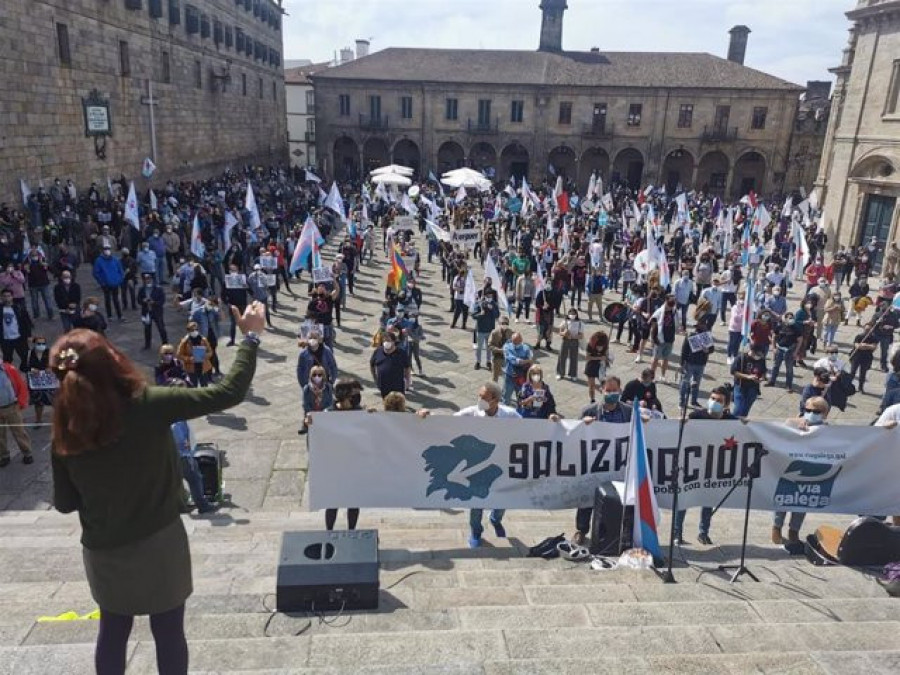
<point>668,577</point>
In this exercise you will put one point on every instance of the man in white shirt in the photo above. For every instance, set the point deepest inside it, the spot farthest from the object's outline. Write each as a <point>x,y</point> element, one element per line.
<point>889,418</point>
<point>832,361</point>
<point>488,406</point>
<point>714,295</point>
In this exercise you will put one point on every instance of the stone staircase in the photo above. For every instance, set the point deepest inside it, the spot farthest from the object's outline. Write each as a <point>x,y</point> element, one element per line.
<point>447,609</point>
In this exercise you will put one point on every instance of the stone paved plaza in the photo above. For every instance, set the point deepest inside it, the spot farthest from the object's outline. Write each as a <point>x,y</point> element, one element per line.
<point>444,608</point>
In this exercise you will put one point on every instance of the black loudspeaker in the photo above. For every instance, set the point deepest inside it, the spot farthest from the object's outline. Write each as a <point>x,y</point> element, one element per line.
<point>608,537</point>
<point>319,571</point>
<point>209,462</point>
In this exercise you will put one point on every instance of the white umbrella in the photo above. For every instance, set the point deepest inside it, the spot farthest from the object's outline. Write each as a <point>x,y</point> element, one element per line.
<point>392,168</point>
<point>391,179</point>
<point>468,178</point>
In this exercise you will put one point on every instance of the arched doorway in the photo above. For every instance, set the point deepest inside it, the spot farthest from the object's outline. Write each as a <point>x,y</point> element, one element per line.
<point>450,156</point>
<point>712,173</point>
<point>346,158</point>
<point>514,161</point>
<point>375,154</point>
<point>629,168</point>
<point>483,157</point>
<point>749,174</point>
<point>564,162</point>
<point>406,153</point>
<point>596,161</point>
<point>678,170</point>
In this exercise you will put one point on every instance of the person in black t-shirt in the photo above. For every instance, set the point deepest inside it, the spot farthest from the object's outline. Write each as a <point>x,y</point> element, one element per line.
<point>642,389</point>
<point>863,354</point>
<point>748,369</point>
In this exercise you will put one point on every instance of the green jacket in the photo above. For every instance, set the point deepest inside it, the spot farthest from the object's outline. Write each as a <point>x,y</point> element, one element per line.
<point>132,488</point>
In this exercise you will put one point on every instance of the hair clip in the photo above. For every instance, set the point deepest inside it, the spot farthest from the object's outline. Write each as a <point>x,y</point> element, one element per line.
<point>67,360</point>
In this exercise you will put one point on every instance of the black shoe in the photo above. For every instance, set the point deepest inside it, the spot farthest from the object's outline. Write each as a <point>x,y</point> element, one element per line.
<point>477,366</point>
<point>28,459</point>
<point>704,539</point>
<point>4,462</point>
<point>680,540</point>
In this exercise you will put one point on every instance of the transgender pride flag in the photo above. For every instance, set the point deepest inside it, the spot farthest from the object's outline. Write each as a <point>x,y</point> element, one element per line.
<point>639,490</point>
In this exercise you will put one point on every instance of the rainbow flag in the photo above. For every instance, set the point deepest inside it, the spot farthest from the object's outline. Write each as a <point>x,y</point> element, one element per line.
<point>308,244</point>
<point>399,275</point>
<point>639,490</point>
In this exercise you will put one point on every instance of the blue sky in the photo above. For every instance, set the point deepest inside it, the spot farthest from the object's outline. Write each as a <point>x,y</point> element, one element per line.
<point>797,40</point>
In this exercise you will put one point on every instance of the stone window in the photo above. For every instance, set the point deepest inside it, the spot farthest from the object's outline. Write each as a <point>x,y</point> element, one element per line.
<point>517,112</point>
<point>451,109</point>
<point>720,122</point>
<point>218,34</point>
<point>191,19</point>
<point>634,114</point>
<point>166,68</point>
<point>759,117</point>
<point>239,40</point>
<point>124,60</point>
<point>344,105</point>
<point>229,37</point>
<point>685,115</point>
<point>175,12</point>
<point>565,113</point>
<point>484,112</point>
<point>311,102</point>
<point>133,4</point>
<point>198,74</point>
<point>243,84</point>
<point>375,107</point>
<point>892,103</point>
<point>406,107</point>
<point>62,43</point>
<point>156,9</point>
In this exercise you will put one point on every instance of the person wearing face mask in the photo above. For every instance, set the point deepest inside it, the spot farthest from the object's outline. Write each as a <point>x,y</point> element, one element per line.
<point>775,302</point>
<point>317,395</point>
<point>497,339</point>
<point>390,366</point>
<point>683,290</point>
<point>38,362</point>
<point>172,242</point>
<point>67,295</point>
<point>485,313</point>
<point>748,370</point>
<point>488,405</point>
<point>814,414</point>
<point>821,294</point>
<point>643,389</point>
<point>863,354</point>
<point>693,364</point>
<point>15,330</point>
<point>195,352</point>
<point>662,333</point>
<point>315,353</point>
<point>152,300</point>
<point>571,331</point>
<point>259,290</point>
<point>716,409</point>
<point>91,317</point>
<point>146,260</point>
<point>168,367</point>
<point>535,398</point>
<point>109,275</point>
<point>761,330</point>
<point>320,310</point>
<point>608,409</point>
<point>37,274</point>
<point>413,334</point>
<point>832,362</point>
<point>517,359</point>
<point>787,333</point>
<point>14,280</point>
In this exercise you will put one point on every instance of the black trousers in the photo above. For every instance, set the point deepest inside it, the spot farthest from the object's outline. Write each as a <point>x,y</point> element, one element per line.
<point>160,328</point>
<point>111,295</point>
<point>20,347</point>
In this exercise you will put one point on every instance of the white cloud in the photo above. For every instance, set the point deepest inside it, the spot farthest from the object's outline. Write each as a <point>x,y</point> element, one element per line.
<point>797,40</point>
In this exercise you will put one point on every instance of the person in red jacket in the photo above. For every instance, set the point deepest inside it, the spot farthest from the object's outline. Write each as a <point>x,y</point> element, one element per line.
<point>13,399</point>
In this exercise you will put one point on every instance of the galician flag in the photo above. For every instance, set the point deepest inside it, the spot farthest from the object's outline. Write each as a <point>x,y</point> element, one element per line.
<point>490,271</point>
<point>197,247</point>
<point>154,204</point>
<point>131,208</point>
<point>639,489</point>
<point>147,168</point>
<point>26,191</point>
<point>250,205</point>
<point>230,222</point>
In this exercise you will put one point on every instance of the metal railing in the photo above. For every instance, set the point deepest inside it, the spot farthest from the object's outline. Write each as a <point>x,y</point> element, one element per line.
<point>597,130</point>
<point>368,122</point>
<point>716,134</point>
<point>483,126</point>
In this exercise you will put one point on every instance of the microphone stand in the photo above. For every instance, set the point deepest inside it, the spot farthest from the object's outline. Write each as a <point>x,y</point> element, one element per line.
<point>749,473</point>
<point>668,577</point>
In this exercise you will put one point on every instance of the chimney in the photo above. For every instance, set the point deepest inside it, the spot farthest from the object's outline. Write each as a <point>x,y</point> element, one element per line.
<point>362,48</point>
<point>595,50</point>
<point>552,25</point>
<point>346,55</point>
<point>737,47</point>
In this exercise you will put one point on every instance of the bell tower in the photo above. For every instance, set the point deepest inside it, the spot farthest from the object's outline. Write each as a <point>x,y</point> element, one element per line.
<point>552,25</point>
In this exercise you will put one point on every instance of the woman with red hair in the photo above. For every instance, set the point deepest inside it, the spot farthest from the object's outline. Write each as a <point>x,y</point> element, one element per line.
<point>114,462</point>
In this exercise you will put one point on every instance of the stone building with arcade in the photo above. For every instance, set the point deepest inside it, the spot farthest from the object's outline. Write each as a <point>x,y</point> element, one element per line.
<point>677,119</point>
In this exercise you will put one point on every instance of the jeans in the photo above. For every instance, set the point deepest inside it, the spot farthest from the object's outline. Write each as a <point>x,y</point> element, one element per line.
<point>690,382</point>
<point>475,520</point>
<point>191,473</point>
<point>787,357</point>
<point>705,521</point>
<point>796,521</point>
<point>743,401</point>
<point>734,343</point>
<point>568,352</point>
<point>38,293</point>
<point>683,309</point>
<point>830,332</point>
<point>509,388</point>
<point>481,340</point>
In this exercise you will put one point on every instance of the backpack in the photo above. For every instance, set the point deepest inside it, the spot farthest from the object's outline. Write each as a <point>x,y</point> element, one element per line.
<point>547,548</point>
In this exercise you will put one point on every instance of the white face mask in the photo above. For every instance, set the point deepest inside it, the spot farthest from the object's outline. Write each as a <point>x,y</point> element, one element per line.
<point>194,333</point>
<point>483,405</point>
<point>92,308</point>
<point>388,346</point>
<point>317,379</point>
<point>313,344</point>
<point>536,378</point>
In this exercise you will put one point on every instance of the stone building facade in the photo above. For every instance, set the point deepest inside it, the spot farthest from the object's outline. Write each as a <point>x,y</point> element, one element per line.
<point>213,66</point>
<point>859,177</point>
<point>301,114</point>
<point>692,120</point>
<point>808,139</point>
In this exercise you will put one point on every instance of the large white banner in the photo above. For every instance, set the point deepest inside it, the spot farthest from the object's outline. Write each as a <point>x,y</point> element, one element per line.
<point>400,460</point>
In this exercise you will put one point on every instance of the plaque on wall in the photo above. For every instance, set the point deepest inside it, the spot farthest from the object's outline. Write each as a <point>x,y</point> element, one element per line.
<point>97,118</point>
